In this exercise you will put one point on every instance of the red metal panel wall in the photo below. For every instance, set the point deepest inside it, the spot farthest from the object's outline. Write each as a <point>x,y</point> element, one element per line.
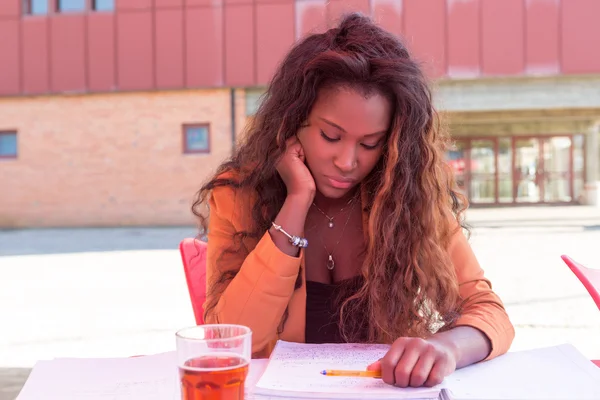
<point>502,38</point>
<point>212,3</point>
<point>10,75</point>
<point>310,17</point>
<point>204,47</point>
<point>133,4</point>
<point>180,43</point>
<point>580,36</point>
<point>388,14</point>
<point>67,57</point>
<point>228,2</point>
<point>240,63</point>
<point>274,37</point>
<point>10,8</point>
<point>35,53</point>
<point>169,48</point>
<point>101,52</point>
<point>135,53</point>
<point>168,4</point>
<point>542,37</point>
<point>464,46</point>
<point>425,31</point>
<point>336,9</point>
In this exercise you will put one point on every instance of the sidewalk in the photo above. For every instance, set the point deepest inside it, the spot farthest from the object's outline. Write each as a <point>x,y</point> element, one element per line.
<point>11,382</point>
<point>562,216</point>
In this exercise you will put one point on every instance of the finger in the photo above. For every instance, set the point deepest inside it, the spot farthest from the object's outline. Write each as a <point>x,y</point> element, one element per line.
<point>300,152</point>
<point>437,374</point>
<point>390,360</point>
<point>422,369</point>
<point>376,366</point>
<point>291,143</point>
<point>405,365</point>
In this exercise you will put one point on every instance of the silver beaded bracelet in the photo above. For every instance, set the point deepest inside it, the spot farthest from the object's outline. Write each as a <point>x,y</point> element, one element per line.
<point>294,240</point>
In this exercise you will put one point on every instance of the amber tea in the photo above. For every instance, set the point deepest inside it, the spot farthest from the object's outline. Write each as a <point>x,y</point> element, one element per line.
<point>213,361</point>
<point>214,377</point>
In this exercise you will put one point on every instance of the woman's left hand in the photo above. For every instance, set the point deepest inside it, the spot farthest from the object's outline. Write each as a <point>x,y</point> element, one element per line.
<point>416,362</point>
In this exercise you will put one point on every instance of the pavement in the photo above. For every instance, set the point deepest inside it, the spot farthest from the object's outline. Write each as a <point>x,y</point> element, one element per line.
<point>121,291</point>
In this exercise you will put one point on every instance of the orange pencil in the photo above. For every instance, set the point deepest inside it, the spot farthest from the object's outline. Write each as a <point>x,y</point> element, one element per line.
<point>337,372</point>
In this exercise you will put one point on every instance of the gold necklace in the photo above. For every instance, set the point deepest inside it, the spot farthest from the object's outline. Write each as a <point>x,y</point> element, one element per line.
<point>330,224</point>
<point>330,262</point>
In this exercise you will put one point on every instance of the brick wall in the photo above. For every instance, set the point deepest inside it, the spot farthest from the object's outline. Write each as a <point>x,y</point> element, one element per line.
<point>105,160</point>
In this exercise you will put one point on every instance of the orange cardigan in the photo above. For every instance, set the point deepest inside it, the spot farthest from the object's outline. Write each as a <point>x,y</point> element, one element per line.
<point>264,286</point>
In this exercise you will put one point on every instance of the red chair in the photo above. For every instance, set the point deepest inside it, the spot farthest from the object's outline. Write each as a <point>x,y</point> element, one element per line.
<point>193,255</point>
<point>590,279</point>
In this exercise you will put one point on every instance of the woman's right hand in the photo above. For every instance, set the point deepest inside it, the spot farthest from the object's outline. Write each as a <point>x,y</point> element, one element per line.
<point>295,174</point>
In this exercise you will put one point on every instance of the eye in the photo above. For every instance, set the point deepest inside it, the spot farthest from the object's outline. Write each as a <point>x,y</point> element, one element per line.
<point>370,147</point>
<point>329,139</point>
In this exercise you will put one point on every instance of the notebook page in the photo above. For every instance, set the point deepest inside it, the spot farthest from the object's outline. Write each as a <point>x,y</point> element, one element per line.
<point>294,370</point>
<point>553,373</point>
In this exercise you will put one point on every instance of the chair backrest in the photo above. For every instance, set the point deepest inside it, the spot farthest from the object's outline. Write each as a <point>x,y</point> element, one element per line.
<point>589,277</point>
<point>193,255</point>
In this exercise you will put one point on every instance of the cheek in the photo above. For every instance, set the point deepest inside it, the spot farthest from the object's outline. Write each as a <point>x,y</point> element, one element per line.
<point>314,149</point>
<point>369,159</point>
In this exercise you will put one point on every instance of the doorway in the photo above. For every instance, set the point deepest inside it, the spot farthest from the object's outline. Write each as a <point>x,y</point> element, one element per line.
<point>519,169</point>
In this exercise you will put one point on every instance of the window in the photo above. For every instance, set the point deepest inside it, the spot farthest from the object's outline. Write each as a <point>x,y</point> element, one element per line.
<point>8,144</point>
<point>103,5</point>
<point>35,7</point>
<point>253,99</point>
<point>71,5</point>
<point>196,138</point>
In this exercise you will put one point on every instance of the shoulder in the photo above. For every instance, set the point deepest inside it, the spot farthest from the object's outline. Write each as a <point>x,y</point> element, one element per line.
<point>229,201</point>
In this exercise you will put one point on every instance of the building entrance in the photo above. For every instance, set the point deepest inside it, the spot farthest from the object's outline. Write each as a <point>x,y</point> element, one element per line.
<point>519,169</point>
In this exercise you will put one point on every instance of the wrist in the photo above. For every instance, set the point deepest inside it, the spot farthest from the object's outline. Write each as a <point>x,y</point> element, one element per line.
<point>301,201</point>
<point>445,339</point>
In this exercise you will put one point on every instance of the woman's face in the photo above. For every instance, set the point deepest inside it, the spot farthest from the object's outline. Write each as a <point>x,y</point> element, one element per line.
<point>344,138</point>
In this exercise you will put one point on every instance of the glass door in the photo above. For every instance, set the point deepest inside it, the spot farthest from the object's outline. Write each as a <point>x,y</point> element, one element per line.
<point>578,167</point>
<point>505,175</point>
<point>483,171</point>
<point>527,171</point>
<point>507,170</point>
<point>457,158</point>
<point>557,169</point>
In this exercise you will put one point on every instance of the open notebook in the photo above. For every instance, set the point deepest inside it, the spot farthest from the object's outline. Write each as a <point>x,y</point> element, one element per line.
<point>554,373</point>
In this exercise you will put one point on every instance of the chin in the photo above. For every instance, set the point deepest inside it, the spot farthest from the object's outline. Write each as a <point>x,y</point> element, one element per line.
<point>331,192</point>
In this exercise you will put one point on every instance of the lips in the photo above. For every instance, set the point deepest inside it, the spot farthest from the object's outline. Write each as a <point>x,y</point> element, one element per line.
<point>340,183</point>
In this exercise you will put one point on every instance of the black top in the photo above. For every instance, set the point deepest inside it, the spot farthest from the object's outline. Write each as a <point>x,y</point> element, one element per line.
<point>323,302</point>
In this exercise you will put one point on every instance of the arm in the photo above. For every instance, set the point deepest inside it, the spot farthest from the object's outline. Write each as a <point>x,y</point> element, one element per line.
<point>468,345</point>
<point>483,330</point>
<point>260,292</point>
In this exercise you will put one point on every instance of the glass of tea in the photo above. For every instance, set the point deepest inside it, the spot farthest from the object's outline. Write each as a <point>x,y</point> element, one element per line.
<point>213,361</point>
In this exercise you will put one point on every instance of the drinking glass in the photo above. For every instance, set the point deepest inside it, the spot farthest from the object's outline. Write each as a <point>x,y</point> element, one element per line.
<point>213,361</point>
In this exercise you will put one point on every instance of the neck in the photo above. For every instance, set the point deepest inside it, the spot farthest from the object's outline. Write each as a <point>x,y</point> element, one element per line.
<point>327,203</point>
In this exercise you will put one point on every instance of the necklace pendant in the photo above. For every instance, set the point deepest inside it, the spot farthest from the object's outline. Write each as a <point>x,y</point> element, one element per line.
<point>331,223</point>
<point>330,263</point>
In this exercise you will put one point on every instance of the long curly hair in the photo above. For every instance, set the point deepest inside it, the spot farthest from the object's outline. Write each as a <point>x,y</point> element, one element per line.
<point>409,286</point>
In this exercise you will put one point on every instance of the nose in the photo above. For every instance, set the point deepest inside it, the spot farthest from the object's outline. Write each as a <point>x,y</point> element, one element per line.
<point>345,160</point>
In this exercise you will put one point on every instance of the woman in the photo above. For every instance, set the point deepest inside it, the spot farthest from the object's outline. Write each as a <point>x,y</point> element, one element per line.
<point>337,219</point>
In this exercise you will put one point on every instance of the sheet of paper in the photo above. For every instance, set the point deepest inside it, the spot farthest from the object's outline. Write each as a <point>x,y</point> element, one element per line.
<point>139,378</point>
<point>152,377</point>
<point>294,372</point>
<point>553,373</point>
